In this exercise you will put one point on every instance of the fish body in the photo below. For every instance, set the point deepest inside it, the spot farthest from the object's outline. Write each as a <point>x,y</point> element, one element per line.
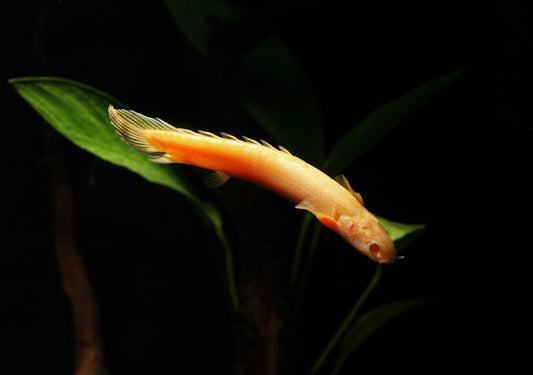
<point>332,201</point>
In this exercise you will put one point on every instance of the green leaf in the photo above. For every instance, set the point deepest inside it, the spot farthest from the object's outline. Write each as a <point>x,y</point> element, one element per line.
<point>79,112</point>
<point>381,122</point>
<point>191,16</point>
<point>368,324</point>
<point>402,234</point>
<point>278,94</point>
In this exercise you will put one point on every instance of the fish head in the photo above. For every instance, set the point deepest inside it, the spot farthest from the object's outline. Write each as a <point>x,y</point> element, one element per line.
<point>368,236</point>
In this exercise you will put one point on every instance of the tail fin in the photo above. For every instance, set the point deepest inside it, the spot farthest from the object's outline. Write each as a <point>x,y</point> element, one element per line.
<point>130,126</point>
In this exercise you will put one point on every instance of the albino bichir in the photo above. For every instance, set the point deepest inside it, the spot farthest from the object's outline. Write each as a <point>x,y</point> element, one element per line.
<point>332,201</point>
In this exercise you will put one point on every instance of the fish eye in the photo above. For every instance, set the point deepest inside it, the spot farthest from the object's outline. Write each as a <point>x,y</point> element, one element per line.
<point>373,248</point>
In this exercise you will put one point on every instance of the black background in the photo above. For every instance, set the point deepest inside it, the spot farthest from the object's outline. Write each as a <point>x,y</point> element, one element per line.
<point>461,165</point>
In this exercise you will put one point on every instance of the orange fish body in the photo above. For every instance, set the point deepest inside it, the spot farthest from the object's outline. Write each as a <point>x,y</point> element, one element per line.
<point>332,201</point>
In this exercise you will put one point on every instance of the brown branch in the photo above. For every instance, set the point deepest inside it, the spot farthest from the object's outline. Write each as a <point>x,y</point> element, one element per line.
<point>263,320</point>
<point>89,359</point>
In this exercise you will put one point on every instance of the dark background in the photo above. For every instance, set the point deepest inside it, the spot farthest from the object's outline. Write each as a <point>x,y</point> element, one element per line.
<point>461,165</point>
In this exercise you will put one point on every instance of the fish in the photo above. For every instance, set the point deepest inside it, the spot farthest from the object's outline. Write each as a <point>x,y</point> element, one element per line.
<point>331,200</point>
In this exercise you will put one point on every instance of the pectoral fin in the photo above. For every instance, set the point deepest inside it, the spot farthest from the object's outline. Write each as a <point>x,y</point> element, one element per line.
<point>217,179</point>
<point>329,222</point>
<point>320,213</point>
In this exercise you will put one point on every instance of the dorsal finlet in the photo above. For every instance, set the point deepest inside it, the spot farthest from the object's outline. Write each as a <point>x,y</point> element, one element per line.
<point>188,132</point>
<point>343,181</point>
<point>266,144</point>
<point>208,134</point>
<point>229,136</point>
<point>250,140</point>
<point>283,149</point>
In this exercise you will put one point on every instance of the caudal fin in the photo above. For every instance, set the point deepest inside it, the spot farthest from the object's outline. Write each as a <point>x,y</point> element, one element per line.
<point>130,126</point>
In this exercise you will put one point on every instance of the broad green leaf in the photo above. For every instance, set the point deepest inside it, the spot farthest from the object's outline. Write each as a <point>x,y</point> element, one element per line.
<point>381,122</point>
<point>278,94</point>
<point>191,16</point>
<point>79,112</point>
<point>402,234</point>
<point>369,323</point>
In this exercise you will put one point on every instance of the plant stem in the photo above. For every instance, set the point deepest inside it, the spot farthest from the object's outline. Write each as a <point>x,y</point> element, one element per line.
<point>348,320</point>
<point>313,246</point>
<point>230,272</point>
<point>299,248</point>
